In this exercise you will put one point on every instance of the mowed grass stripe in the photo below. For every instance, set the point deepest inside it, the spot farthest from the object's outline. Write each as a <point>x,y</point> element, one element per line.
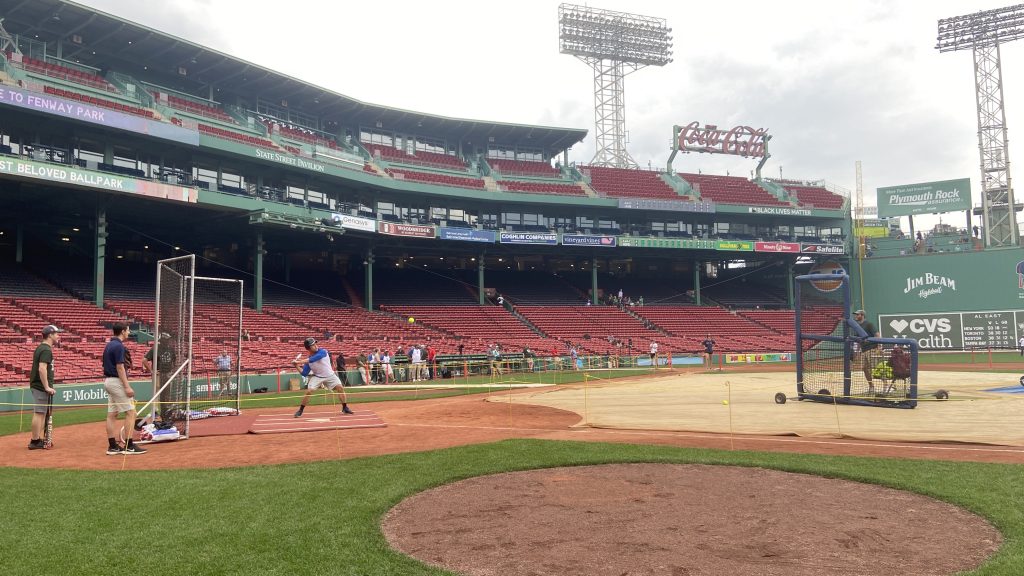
<point>323,518</point>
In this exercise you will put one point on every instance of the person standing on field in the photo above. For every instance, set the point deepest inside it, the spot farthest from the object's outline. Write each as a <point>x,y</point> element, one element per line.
<point>41,383</point>
<point>319,371</point>
<point>709,350</point>
<point>120,395</point>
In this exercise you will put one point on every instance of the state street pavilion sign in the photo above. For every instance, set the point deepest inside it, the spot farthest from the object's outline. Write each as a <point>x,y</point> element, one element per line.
<point>925,198</point>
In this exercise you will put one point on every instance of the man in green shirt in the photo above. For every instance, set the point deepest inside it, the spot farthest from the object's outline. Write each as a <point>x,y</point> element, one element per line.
<point>41,383</point>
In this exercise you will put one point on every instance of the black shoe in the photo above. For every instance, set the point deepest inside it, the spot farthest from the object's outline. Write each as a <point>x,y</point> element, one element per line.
<point>346,410</point>
<point>298,413</point>
<point>36,444</point>
<point>114,450</point>
<point>133,449</point>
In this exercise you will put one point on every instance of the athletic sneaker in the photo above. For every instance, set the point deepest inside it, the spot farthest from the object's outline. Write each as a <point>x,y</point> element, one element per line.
<point>298,413</point>
<point>36,444</point>
<point>346,410</point>
<point>133,449</point>
<point>114,450</point>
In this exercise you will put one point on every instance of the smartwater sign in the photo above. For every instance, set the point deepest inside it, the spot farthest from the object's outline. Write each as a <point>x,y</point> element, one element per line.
<point>925,198</point>
<point>467,235</point>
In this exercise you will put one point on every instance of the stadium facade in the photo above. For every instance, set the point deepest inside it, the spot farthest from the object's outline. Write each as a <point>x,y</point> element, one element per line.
<point>121,145</point>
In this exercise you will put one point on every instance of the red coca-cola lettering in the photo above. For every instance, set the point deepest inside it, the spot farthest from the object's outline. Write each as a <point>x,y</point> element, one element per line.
<point>740,141</point>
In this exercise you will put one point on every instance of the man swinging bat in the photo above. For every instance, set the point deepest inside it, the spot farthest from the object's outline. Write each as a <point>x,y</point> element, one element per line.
<point>319,371</point>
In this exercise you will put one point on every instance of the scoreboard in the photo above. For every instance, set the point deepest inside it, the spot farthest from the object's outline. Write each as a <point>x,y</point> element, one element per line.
<point>956,330</point>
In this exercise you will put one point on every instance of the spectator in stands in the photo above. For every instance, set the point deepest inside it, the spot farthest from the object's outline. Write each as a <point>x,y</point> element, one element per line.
<point>223,364</point>
<point>385,364</point>
<point>862,350</point>
<point>341,368</point>
<point>709,350</point>
<point>431,362</point>
<point>41,381</point>
<point>461,348</point>
<point>120,395</point>
<point>495,353</point>
<point>640,302</point>
<point>245,335</point>
<point>654,353</point>
<point>977,231</point>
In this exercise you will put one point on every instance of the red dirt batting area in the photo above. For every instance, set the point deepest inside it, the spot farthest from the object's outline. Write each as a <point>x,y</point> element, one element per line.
<point>597,520</point>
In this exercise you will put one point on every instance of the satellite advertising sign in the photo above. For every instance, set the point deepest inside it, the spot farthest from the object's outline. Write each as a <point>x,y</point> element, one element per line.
<point>925,198</point>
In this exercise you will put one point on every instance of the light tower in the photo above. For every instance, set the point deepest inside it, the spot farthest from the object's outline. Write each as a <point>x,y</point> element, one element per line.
<point>982,33</point>
<point>614,44</point>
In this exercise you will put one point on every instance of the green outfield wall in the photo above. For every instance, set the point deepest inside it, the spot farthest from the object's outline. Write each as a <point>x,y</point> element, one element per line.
<point>945,301</point>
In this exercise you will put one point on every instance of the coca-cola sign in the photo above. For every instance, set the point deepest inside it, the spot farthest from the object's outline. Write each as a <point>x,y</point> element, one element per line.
<point>740,141</point>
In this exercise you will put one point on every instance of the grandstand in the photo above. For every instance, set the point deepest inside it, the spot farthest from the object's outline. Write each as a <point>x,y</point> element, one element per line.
<point>346,217</point>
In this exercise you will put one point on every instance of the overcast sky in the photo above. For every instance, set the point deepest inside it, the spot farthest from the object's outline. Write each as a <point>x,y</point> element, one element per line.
<point>833,82</point>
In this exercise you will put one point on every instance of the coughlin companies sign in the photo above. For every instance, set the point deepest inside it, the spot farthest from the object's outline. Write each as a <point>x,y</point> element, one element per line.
<point>925,198</point>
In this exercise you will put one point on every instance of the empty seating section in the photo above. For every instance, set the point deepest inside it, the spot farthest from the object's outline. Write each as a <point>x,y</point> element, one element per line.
<point>436,178</point>
<point>420,287</point>
<point>816,196</point>
<point>42,68</point>
<point>542,188</point>
<point>236,136</point>
<point>77,317</point>
<point>480,326</point>
<point>301,134</point>
<point>523,168</point>
<point>731,332</point>
<point>746,295</point>
<point>590,327</point>
<point>731,190</point>
<point>523,288</point>
<point>392,154</point>
<point>194,107</point>
<point>85,98</point>
<point>626,183</point>
<point>815,320</point>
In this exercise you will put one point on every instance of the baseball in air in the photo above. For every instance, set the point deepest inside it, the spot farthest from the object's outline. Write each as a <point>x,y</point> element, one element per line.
<point>725,402</point>
<point>411,320</point>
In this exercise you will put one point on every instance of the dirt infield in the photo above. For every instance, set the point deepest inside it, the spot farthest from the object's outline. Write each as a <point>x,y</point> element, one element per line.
<point>683,519</point>
<point>430,424</point>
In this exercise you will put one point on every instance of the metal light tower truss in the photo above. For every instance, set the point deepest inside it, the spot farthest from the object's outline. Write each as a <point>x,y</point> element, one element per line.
<point>982,33</point>
<point>614,44</point>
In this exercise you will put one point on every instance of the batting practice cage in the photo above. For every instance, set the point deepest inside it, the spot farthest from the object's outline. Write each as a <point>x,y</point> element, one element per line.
<point>197,346</point>
<point>847,365</point>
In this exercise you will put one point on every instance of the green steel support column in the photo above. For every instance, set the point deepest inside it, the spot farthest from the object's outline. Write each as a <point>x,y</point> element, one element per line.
<point>369,279</point>
<point>480,279</point>
<point>257,272</point>
<point>108,153</point>
<point>19,243</point>
<point>789,285</point>
<point>593,282</point>
<point>100,253</point>
<point>696,282</point>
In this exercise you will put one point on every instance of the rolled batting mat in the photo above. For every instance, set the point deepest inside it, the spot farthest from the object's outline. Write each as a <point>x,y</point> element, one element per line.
<point>315,419</point>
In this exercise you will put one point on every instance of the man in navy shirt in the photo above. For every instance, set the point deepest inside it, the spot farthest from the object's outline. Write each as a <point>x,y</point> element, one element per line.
<point>120,396</point>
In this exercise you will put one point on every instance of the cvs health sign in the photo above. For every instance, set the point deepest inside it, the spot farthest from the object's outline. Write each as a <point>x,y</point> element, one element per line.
<point>931,331</point>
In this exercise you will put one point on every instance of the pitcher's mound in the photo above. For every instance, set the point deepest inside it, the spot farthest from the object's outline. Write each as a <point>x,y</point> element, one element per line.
<point>665,519</point>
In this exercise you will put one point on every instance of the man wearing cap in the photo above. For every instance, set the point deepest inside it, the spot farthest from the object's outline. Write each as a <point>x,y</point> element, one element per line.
<point>862,350</point>
<point>319,371</point>
<point>41,383</point>
<point>120,396</point>
<point>223,364</point>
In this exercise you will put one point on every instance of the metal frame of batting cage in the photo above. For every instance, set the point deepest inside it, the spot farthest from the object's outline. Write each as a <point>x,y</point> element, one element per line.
<point>238,339</point>
<point>848,325</point>
<point>187,363</point>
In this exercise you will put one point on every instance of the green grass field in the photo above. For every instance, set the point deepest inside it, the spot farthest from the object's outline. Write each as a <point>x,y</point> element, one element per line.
<point>323,517</point>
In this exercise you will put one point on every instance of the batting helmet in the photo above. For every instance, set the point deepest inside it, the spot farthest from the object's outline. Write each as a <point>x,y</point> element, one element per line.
<point>309,343</point>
